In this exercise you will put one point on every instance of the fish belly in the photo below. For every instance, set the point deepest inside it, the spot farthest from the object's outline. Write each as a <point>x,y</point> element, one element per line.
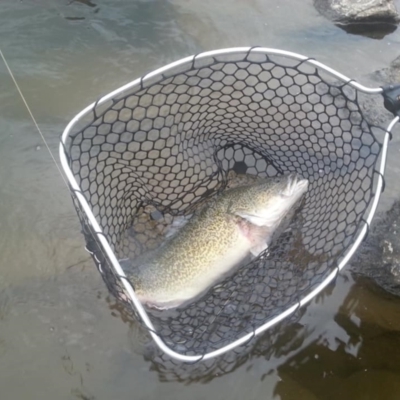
<point>178,291</point>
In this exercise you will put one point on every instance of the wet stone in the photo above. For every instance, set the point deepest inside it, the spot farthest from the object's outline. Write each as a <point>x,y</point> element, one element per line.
<point>156,215</point>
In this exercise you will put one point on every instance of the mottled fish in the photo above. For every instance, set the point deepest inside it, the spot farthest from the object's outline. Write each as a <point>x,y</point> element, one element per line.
<point>238,223</point>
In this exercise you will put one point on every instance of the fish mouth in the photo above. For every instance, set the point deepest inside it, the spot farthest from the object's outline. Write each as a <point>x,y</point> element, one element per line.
<point>296,185</point>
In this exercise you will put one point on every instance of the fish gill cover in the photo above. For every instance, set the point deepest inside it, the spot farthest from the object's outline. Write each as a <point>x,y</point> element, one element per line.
<point>164,145</point>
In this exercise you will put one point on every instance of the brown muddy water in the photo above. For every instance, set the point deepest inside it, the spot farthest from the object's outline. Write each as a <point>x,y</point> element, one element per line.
<point>61,335</point>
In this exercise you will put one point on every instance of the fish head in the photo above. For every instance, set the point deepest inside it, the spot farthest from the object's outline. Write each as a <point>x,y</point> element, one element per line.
<point>269,202</point>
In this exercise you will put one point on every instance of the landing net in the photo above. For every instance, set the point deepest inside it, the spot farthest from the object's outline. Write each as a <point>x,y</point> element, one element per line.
<point>160,147</point>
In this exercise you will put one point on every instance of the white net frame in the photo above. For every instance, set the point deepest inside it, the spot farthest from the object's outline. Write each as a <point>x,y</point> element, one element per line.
<point>107,248</point>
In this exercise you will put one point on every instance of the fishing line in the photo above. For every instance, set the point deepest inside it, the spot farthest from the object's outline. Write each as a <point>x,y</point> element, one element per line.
<point>33,118</point>
<point>37,126</point>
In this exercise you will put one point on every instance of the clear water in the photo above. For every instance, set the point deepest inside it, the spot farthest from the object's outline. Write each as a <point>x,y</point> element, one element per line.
<point>60,335</point>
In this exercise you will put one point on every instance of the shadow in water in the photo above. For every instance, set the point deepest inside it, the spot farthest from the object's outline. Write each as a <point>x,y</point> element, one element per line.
<point>86,2</point>
<point>373,30</point>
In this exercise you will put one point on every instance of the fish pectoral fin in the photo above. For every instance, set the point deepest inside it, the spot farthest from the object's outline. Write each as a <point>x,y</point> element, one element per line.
<point>257,249</point>
<point>258,236</point>
<point>256,219</point>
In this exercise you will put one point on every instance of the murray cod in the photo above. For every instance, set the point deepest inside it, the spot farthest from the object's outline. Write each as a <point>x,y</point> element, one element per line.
<point>238,223</point>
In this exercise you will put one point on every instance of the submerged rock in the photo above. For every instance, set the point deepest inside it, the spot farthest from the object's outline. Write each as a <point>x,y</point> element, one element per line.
<point>367,385</point>
<point>375,113</point>
<point>288,388</point>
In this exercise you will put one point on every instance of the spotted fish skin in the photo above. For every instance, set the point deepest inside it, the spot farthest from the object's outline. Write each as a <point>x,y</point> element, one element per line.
<point>238,223</point>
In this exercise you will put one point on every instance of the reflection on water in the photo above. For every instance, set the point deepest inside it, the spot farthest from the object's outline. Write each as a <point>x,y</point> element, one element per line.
<point>360,358</point>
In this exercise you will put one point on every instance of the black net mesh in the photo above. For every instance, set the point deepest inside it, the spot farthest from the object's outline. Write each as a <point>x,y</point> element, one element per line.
<point>281,340</point>
<point>167,144</point>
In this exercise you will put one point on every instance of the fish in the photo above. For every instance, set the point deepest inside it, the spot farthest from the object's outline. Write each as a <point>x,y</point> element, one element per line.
<point>239,223</point>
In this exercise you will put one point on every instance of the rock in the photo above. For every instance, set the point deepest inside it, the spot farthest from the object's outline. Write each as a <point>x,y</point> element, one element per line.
<point>361,11</point>
<point>377,310</point>
<point>379,256</point>
<point>373,18</point>
<point>388,75</point>
<point>372,105</point>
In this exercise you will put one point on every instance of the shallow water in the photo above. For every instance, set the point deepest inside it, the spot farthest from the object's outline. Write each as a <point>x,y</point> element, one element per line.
<point>60,335</point>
